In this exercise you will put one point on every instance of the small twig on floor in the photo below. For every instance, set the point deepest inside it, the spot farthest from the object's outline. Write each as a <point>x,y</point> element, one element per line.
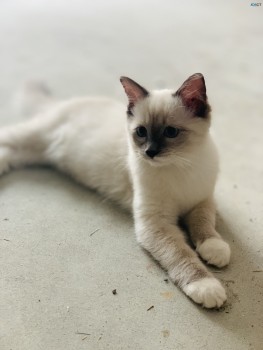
<point>151,307</point>
<point>217,271</point>
<point>257,271</point>
<point>92,233</point>
<point>4,239</point>
<point>84,338</point>
<point>81,333</point>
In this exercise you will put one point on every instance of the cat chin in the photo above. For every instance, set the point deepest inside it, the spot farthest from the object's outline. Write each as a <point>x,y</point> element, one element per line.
<point>164,161</point>
<point>157,161</point>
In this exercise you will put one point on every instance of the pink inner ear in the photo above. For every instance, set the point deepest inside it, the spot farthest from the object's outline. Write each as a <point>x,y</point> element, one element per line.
<point>193,94</point>
<point>193,87</point>
<point>133,90</point>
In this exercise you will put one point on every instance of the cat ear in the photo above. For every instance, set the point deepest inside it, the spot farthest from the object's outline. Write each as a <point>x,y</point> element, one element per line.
<point>134,92</point>
<point>193,95</point>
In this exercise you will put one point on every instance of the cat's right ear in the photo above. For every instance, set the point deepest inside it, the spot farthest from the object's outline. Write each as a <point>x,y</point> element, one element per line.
<point>134,92</point>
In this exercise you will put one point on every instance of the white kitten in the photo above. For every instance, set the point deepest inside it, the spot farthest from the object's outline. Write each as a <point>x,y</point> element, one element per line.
<point>159,161</point>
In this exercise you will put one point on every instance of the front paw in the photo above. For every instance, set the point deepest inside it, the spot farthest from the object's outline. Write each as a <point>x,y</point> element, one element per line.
<point>215,252</point>
<point>207,291</point>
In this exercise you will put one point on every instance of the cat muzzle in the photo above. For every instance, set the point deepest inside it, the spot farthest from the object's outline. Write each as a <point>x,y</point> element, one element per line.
<point>151,153</point>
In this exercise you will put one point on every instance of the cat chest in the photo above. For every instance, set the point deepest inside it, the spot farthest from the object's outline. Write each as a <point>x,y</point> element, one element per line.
<point>176,195</point>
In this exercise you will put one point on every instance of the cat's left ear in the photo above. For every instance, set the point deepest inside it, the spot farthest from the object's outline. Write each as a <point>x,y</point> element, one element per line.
<point>134,92</point>
<point>193,95</point>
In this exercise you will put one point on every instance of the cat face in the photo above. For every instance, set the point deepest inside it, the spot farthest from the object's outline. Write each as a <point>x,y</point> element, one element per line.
<point>164,125</point>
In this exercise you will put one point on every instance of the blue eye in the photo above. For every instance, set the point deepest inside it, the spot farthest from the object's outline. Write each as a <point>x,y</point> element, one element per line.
<point>141,131</point>
<point>171,132</point>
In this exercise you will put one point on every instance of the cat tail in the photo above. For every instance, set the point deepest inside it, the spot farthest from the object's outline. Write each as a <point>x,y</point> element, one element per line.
<point>32,97</point>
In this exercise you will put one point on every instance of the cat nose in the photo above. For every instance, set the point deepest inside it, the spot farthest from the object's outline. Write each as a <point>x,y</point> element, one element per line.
<point>151,153</point>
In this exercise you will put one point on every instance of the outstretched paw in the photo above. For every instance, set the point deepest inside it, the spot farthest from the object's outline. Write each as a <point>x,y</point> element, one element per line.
<point>207,291</point>
<point>215,251</point>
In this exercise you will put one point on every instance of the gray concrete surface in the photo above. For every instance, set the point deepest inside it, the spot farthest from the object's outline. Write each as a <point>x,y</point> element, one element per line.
<point>56,277</point>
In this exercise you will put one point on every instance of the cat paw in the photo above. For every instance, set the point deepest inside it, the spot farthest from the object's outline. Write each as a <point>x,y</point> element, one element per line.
<point>207,291</point>
<point>215,251</point>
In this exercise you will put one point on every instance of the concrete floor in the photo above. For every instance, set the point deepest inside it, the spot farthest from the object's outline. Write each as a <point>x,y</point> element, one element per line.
<point>57,277</point>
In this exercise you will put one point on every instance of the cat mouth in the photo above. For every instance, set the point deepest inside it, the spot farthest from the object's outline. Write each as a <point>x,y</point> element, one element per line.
<point>155,161</point>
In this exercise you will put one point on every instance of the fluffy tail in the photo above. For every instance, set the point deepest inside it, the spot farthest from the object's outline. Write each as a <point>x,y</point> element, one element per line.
<point>32,98</point>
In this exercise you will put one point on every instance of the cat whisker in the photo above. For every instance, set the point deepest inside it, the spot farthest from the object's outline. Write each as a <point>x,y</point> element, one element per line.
<point>186,163</point>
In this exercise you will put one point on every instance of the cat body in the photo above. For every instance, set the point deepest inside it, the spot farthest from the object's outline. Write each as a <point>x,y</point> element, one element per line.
<point>84,137</point>
<point>159,162</point>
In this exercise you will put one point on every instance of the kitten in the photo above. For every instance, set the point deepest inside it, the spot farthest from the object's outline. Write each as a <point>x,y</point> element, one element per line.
<point>159,161</point>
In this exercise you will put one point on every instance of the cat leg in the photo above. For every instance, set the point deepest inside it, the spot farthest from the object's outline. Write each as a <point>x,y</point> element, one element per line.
<point>167,245</point>
<point>208,242</point>
<point>32,97</point>
<point>24,143</point>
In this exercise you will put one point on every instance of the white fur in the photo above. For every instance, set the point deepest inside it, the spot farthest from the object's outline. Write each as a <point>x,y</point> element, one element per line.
<point>215,252</point>
<point>86,137</point>
<point>207,292</point>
